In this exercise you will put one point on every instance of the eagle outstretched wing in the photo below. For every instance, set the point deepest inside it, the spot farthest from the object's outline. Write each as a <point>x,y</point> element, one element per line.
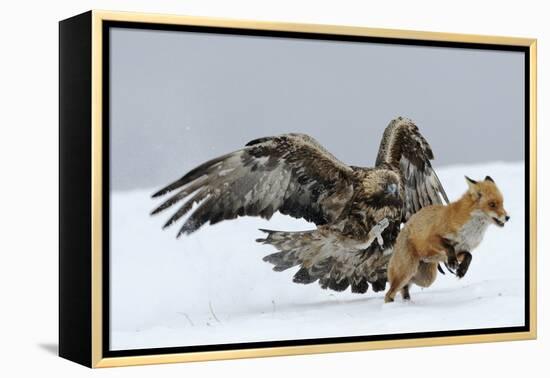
<point>291,173</point>
<point>405,149</point>
<point>295,175</point>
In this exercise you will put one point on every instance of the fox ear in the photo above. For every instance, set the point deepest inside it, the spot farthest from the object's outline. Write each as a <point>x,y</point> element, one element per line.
<point>489,178</point>
<point>470,181</point>
<point>472,188</point>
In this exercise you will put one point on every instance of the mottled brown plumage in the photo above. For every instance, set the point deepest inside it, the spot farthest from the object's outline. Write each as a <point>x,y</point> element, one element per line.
<point>358,211</point>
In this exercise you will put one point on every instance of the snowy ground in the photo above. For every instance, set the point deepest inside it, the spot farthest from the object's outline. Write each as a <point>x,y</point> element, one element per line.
<point>213,288</point>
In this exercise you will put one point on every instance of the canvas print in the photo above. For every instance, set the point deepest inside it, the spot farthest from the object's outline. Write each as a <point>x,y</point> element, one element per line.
<point>268,188</point>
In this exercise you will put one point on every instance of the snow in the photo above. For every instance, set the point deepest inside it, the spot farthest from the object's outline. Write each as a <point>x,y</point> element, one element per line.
<point>212,287</point>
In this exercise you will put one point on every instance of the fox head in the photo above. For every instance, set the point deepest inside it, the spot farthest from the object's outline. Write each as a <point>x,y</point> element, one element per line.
<point>488,199</point>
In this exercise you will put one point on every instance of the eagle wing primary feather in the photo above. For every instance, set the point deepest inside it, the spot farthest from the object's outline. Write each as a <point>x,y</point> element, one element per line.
<point>405,149</point>
<point>290,173</point>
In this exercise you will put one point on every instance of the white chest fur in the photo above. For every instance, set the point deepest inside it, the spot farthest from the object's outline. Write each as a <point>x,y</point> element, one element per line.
<point>471,233</point>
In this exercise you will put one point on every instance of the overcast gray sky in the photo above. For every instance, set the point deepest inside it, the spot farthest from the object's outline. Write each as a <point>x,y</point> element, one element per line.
<point>179,98</point>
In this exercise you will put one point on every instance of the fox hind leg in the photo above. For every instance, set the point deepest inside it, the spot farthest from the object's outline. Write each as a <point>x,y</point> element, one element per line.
<point>405,292</point>
<point>399,281</point>
<point>390,295</point>
<point>402,266</point>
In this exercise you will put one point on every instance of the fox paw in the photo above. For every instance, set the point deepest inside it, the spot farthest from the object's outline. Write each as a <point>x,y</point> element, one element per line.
<point>452,263</point>
<point>461,271</point>
<point>449,269</point>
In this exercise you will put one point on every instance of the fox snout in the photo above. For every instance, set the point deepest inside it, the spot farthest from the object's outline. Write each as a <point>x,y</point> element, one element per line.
<point>498,215</point>
<point>500,221</point>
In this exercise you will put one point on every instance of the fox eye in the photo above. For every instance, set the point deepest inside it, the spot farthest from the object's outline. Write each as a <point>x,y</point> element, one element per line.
<point>492,204</point>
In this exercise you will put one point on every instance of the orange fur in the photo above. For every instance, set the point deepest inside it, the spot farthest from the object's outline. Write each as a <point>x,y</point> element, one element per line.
<point>435,232</point>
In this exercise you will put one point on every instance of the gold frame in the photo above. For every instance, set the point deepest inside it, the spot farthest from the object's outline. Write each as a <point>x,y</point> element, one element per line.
<point>97,322</point>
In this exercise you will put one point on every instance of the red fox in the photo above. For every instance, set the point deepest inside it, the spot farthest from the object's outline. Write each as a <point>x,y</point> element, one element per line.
<point>448,234</point>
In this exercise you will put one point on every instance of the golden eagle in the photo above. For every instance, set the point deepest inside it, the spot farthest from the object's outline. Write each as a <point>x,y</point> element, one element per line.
<point>358,211</point>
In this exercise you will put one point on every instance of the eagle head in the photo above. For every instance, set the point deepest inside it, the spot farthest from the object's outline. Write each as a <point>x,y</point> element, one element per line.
<point>382,188</point>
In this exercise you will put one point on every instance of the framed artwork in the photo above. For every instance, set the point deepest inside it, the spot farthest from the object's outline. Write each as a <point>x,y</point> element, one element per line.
<point>235,189</point>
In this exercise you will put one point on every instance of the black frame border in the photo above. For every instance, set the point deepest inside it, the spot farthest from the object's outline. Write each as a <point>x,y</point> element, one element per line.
<point>75,195</point>
<point>106,27</point>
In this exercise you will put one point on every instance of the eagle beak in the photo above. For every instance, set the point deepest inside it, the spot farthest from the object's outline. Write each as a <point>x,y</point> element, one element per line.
<point>392,190</point>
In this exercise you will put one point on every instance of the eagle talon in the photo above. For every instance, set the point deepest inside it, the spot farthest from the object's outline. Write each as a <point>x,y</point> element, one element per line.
<point>378,229</point>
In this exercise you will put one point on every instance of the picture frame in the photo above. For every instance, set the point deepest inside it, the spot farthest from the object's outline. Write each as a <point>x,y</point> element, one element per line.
<point>85,108</point>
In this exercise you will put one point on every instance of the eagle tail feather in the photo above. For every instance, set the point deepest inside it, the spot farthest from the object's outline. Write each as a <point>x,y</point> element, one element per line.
<point>321,257</point>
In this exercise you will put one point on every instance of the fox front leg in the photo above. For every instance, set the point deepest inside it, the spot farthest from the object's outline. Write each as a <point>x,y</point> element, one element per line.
<point>465,259</point>
<point>452,260</point>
